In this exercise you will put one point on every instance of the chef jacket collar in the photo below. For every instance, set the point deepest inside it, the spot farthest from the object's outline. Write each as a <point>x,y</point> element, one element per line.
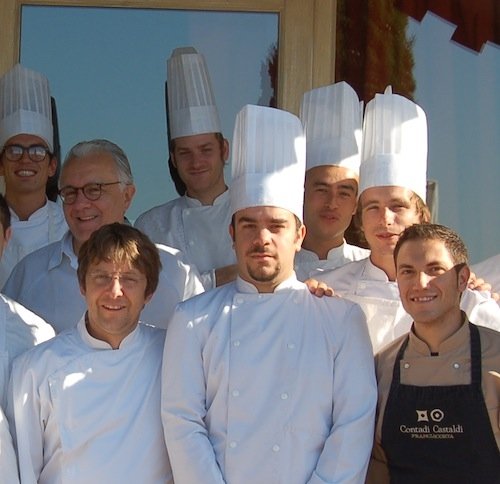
<point>333,254</point>
<point>287,284</point>
<point>37,214</point>
<point>373,273</point>
<point>451,344</point>
<point>194,202</point>
<point>103,345</point>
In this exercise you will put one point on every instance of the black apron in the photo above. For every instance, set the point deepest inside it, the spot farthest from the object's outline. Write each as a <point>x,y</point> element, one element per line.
<point>440,434</point>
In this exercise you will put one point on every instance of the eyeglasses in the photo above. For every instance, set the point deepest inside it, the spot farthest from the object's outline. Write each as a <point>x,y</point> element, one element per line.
<point>128,280</point>
<point>35,152</point>
<point>91,191</point>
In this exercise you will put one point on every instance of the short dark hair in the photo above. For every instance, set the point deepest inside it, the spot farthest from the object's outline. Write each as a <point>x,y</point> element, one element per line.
<point>121,243</point>
<point>4,214</point>
<point>452,241</point>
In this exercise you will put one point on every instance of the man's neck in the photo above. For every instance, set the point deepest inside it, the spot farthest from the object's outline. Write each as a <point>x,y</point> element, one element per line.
<point>321,247</point>
<point>76,244</point>
<point>208,197</point>
<point>434,333</point>
<point>268,286</point>
<point>114,340</point>
<point>25,205</point>
<point>385,262</point>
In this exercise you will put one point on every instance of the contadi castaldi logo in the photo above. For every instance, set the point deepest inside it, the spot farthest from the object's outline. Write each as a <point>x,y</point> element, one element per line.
<point>429,425</point>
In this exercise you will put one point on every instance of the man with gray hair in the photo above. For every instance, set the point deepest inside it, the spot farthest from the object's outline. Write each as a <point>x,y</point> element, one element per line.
<point>96,187</point>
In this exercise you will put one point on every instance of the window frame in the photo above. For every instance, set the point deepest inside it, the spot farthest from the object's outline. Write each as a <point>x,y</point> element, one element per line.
<point>306,35</point>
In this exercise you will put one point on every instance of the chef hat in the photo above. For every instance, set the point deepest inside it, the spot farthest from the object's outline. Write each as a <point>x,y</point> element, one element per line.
<point>191,101</point>
<point>268,166</point>
<point>394,144</point>
<point>25,105</point>
<point>332,118</point>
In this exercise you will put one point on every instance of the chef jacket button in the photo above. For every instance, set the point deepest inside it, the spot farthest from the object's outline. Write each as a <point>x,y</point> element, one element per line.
<point>406,365</point>
<point>290,346</point>
<point>456,366</point>
<point>236,343</point>
<point>284,396</point>
<point>239,300</point>
<point>187,212</point>
<point>276,448</point>
<point>232,444</point>
<point>235,393</point>
<point>296,300</point>
<point>191,243</point>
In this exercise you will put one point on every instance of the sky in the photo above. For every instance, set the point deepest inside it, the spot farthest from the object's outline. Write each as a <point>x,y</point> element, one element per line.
<point>458,89</point>
<point>107,69</point>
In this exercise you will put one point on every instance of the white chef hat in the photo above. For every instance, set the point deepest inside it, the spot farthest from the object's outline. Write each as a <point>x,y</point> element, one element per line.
<point>25,105</point>
<point>268,166</point>
<point>394,144</point>
<point>332,117</point>
<point>191,101</point>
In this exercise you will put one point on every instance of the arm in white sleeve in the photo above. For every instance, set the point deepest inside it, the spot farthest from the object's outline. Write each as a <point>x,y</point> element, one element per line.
<point>179,273</point>
<point>15,283</point>
<point>345,455</point>
<point>183,408</point>
<point>208,279</point>
<point>26,419</point>
<point>8,463</point>
<point>481,308</point>
<point>195,283</point>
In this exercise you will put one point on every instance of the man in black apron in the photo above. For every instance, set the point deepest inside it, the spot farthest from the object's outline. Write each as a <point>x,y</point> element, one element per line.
<point>439,386</point>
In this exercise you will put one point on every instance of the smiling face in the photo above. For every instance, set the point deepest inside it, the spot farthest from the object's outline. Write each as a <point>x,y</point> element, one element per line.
<point>266,240</point>
<point>25,176</point>
<point>85,216</point>
<point>329,204</point>
<point>429,284</point>
<point>199,160</point>
<point>385,213</point>
<point>115,296</point>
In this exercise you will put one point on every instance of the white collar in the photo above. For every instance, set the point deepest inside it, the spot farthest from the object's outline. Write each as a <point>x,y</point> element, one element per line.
<point>287,284</point>
<point>194,202</point>
<point>103,345</point>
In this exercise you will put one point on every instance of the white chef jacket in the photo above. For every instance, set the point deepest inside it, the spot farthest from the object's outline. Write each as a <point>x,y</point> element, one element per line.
<point>268,388</point>
<point>200,232</point>
<point>308,264</point>
<point>8,463</point>
<point>489,270</point>
<point>43,227</point>
<point>369,286</point>
<point>85,413</point>
<point>46,282</point>
<point>20,330</point>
